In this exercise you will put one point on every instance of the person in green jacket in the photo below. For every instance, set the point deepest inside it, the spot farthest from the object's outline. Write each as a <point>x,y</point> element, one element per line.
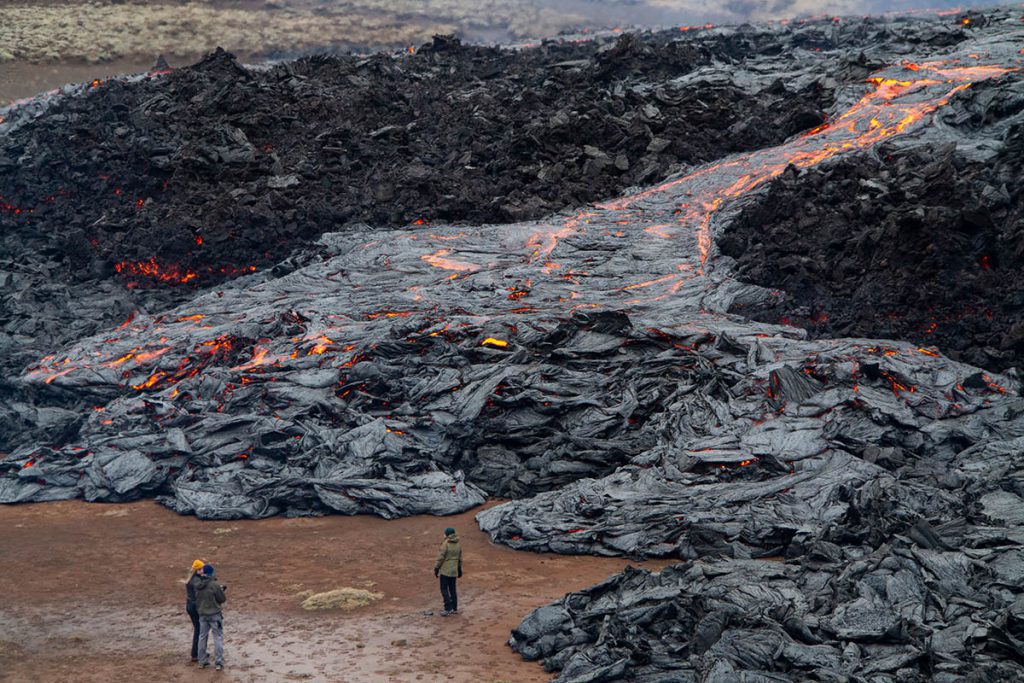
<point>449,568</point>
<point>209,598</point>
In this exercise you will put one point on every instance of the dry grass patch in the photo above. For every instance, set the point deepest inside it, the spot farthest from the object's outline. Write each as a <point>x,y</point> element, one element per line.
<point>340,598</point>
<point>103,30</point>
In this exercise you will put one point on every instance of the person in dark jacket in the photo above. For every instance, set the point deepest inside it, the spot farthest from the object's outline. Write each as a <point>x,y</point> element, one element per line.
<point>209,598</point>
<point>448,568</point>
<point>190,604</point>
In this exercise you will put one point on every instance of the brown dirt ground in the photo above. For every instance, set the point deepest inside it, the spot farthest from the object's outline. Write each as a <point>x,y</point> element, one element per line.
<point>20,79</point>
<point>25,78</point>
<point>94,593</point>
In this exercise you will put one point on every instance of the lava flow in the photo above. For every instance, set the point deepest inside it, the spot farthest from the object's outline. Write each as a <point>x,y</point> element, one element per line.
<point>897,102</point>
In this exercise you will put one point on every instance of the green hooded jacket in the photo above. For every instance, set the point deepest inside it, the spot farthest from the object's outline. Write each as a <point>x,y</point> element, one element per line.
<point>209,597</point>
<point>449,558</point>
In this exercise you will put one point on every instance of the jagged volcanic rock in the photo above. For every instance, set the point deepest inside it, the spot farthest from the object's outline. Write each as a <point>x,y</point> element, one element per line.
<point>891,614</point>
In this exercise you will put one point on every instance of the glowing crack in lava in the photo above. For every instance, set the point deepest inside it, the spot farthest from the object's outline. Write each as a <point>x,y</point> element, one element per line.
<point>439,259</point>
<point>10,208</point>
<point>633,253</point>
<point>138,272</point>
<point>154,270</point>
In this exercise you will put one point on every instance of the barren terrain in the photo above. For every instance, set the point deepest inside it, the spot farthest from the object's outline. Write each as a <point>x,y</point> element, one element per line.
<point>99,597</point>
<point>46,44</point>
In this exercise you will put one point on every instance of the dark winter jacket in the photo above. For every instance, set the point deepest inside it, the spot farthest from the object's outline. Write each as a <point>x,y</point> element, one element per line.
<point>190,591</point>
<point>449,558</point>
<point>209,597</point>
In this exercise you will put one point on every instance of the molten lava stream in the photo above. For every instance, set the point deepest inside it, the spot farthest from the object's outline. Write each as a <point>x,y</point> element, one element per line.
<point>439,259</point>
<point>892,107</point>
<point>894,104</point>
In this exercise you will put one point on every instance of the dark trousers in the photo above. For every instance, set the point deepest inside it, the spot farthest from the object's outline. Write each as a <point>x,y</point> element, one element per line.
<point>451,598</point>
<point>192,612</point>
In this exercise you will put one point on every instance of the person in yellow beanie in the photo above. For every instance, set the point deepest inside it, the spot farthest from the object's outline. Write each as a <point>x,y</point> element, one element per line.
<point>194,574</point>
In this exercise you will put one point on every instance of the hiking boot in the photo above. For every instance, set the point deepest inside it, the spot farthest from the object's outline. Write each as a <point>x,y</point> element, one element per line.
<point>445,613</point>
<point>219,667</point>
<point>204,665</point>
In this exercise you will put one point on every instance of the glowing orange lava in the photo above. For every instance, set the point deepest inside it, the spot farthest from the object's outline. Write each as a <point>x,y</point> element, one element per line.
<point>152,269</point>
<point>439,260</point>
<point>322,344</point>
<point>171,274</point>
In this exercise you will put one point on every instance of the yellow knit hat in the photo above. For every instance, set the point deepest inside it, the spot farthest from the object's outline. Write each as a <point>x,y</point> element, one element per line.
<point>197,565</point>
